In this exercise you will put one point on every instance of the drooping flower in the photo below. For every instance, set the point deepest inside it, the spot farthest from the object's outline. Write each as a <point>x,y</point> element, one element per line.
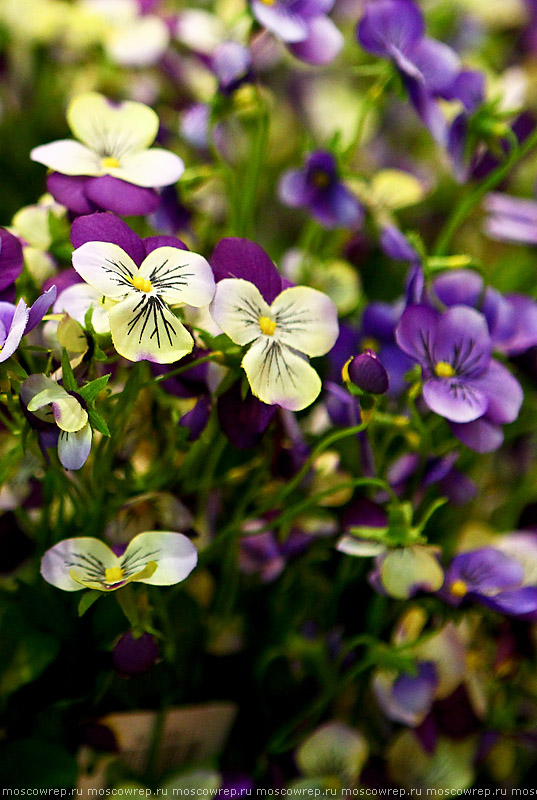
<point>318,188</point>
<point>50,402</point>
<point>299,322</point>
<point>161,558</point>
<point>112,166</point>
<point>304,27</point>
<point>141,280</point>
<point>462,382</point>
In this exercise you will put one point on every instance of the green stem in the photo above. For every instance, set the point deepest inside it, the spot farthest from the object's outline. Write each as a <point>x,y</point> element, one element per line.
<point>474,196</point>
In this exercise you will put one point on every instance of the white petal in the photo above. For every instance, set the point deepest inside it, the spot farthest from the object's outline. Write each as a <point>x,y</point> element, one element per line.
<point>16,330</point>
<point>86,556</point>
<point>152,168</point>
<point>112,130</point>
<point>68,157</point>
<point>69,414</point>
<point>33,386</point>
<point>144,328</point>
<point>179,276</point>
<point>174,554</point>
<point>279,376</point>
<point>106,267</point>
<point>74,448</point>
<point>77,299</point>
<point>48,391</point>
<point>306,320</point>
<point>237,307</point>
<point>359,547</point>
<point>139,43</point>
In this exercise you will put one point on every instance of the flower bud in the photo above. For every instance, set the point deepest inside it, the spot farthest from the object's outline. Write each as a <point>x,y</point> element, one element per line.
<point>367,373</point>
<point>132,656</point>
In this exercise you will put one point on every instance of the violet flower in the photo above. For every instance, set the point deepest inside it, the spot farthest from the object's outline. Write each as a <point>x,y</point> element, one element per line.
<point>318,188</point>
<point>17,321</point>
<point>462,382</point>
<point>395,29</point>
<point>263,554</point>
<point>304,27</point>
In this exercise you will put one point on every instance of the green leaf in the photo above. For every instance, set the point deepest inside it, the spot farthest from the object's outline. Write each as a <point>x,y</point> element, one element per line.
<point>68,376</point>
<point>87,600</point>
<point>90,391</point>
<point>97,422</point>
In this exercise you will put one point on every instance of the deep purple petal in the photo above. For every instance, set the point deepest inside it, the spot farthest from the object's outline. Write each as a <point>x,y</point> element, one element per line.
<point>105,227</point>
<point>70,191</point>
<point>469,88</point>
<point>463,340</point>
<point>454,399</point>
<point>416,332</point>
<point>243,421</point>
<point>427,108</point>
<point>460,287</point>
<point>120,197</point>
<point>396,245</point>
<point>518,603</point>
<point>485,571</point>
<point>481,435</point>
<point>456,146</point>
<point>40,308</point>
<point>438,64</point>
<point>416,692</point>
<point>368,373</point>
<point>241,258</point>
<point>504,393</point>
<point>134,655</point>
<point>62,280</point>
<point>380,320</point>
<point>11,260</point>
<point>343,409</point>
<point>390,22</point>
<point>197,418</point>
<point>397,365</point>
<point>337,207</point>
<point>364,513</point>
<point>458,487</point>
<point>151,243</point>
<point>323,43</point>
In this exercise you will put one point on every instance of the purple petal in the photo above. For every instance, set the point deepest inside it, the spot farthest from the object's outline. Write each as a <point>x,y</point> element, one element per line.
<point>241,258</point>
<point>105,227</point>
<point>416,693</point>
<point>70,191</point>
<point>454,399</point>
<point>518,603</point>
<point>151,243</point>
<point>481,435</point>
<point>503,391</point>
<point>40,308</point>
<point>15,331</point>
<point>231,63</point>
<point>343,409</point>
<point>337,207</point>
<point>398,23</point>
<point>461,287</point>
<point>485,571</point>
<point>293,189</point>
<point>457,487</point>
<point>416,332</point>
<point>243,421</point>
<point>469,88</point>
<point>197,418</point>
<point>281,20</point>
<point>380,320</point>
<point>427,108</point>
<point>397,365</point>
<point>11,260</point>
<point>396,245</point>
<point>456,146</point>
<point>120,197</point>
<point>438,64</point>
<point>525,334</point>
<point>323,43</point>
<point>402,469</point>
<point>364,513</point>
<point>62,280</point>
<point>463,340</point>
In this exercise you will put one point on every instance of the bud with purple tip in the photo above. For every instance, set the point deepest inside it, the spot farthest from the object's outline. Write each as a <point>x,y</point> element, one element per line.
<point>133,656</point>
<point>367,373</point>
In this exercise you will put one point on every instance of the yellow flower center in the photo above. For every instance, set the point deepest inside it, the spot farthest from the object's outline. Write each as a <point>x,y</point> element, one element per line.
<point>444,370</point>
<point>113,574</point>
<point>143,284</point>
<point>321,179</point>
<point>267,325</point>
<point>459,588</point>
<point>268,2</point>
<point>109,161</point>
<point>370,344</point>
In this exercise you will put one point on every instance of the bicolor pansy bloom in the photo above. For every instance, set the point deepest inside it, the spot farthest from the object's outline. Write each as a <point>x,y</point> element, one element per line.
<point>299,322</point>
<point>161,558</point>
<point>111,166</point>
<point>50,402</point>
<point>139,297</point>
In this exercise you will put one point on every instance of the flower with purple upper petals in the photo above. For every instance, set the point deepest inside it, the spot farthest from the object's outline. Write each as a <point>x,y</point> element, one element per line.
<point>17,321</point>
<point>11,263</point>
<point>304,27</point>
<point>111,167</point>
<point>462,382</point>
<point>318,188</point>
<point>395,29</point>
<point>511,319</point>
<point>502,577</point>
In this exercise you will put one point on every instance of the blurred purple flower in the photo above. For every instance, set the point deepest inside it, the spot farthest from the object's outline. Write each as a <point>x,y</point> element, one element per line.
<point>11,263</point>
<point>318,188</point>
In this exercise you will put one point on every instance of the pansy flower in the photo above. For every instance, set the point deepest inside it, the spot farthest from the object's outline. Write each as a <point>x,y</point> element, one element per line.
<point>16,321</point>
<point>161,558</point>
<point>281,329</point>
<point>304,27</point>
<point>50,402</point>
<point>111,166</point>
<point>139,282</point>
<point>462,382</point>
<point>318,188</point>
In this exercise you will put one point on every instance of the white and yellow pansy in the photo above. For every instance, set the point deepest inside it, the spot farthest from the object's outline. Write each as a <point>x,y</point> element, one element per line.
<point>141,322</point>
<point>114,139</point>
<point>300,322</point>
<point>161,558</point>
<point>50,402</point>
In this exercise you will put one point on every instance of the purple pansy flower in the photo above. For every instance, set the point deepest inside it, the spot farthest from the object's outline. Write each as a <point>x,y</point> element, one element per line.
<point>407,698</point>
<point>318,188</point>
<point>462,382</point>
<point>395,29</point>
<point>11,263</point>
<point>264,555</point>
<point>16,321</point>
<point>304,27</point>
